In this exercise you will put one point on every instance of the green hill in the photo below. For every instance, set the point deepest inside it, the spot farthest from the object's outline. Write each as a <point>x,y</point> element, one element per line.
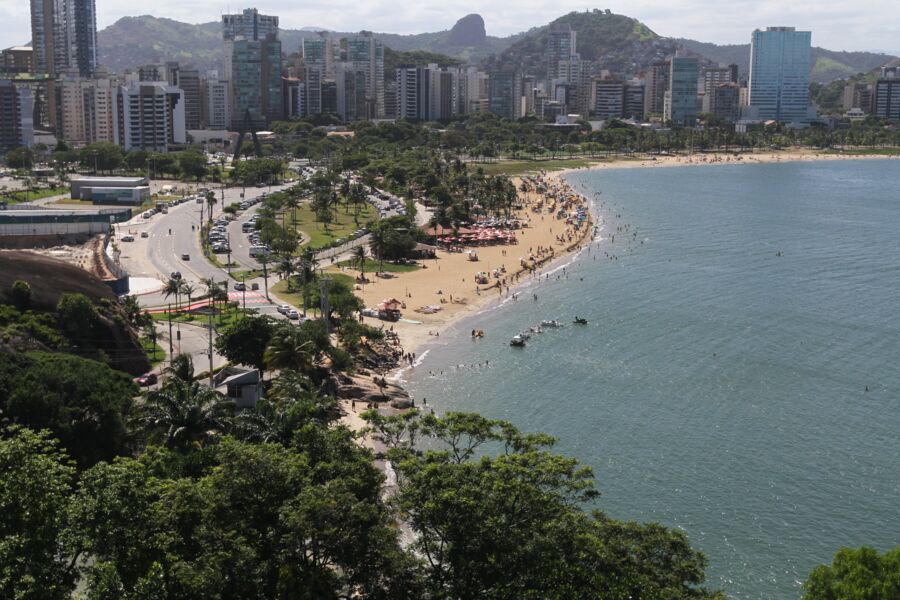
<point>618,43</point>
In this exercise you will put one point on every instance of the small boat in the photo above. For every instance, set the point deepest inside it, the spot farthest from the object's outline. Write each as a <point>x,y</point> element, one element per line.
<point>536,329</point>
<point>526,334</point>
<point>477,333</point>
<point>580,321</point>
<point>517,341</point>
<point>551,323</point>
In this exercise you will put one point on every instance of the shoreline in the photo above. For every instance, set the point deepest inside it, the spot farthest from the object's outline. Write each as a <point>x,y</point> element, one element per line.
<point>415,335</point>
<point>415,332</point>
<point>443,281</point>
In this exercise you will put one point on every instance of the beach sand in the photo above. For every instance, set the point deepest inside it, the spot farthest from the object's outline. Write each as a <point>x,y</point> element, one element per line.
<point>452,275</point>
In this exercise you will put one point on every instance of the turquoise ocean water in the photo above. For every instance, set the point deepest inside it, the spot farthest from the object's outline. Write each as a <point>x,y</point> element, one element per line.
<point>720,386</point>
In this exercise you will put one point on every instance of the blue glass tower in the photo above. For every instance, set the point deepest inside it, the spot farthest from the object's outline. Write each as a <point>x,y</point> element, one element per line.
<point>779,75</point>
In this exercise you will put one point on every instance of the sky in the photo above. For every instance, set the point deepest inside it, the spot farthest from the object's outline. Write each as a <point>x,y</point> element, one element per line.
<point>836,24</point>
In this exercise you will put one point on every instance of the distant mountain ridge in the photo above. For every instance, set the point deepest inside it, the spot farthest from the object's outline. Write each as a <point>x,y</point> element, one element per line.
<point>620,43</point>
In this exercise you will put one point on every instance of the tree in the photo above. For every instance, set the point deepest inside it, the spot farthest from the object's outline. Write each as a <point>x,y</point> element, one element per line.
<point>83,403</point>
<point>35,480</point>
<point>186,414</point>
<point>210,203</point>
<point>20,294</point>
<point>78,318</point>
<point>105,155</point>
<point>359,257</point>
<point>244,340</point>
<point>289,349</point>
<point>19,158</point>
<point>192,164</point>
<point>856,573</point>
<point>511,526</point>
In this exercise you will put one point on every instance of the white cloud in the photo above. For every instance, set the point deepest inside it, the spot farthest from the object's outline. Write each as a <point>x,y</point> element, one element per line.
<point>836,24</point>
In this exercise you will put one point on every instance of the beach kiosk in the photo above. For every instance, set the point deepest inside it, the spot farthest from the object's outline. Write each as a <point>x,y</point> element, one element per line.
<point>389,309</point>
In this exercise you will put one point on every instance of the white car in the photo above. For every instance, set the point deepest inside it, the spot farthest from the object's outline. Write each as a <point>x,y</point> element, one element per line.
<point>284,308</point>
<point>292,314</point>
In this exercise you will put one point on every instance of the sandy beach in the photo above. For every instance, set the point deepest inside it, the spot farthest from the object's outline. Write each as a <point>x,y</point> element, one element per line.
<point>448,282</point>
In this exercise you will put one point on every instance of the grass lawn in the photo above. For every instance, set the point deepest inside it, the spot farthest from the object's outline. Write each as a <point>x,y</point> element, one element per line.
<point>21,196</point>
<point>522,167</point>
<point>314,233</point>
<point>251,274</point>
<point>222,318</point>
<point>155,353</point>
<point>295,296</point>
<point>375,265</point>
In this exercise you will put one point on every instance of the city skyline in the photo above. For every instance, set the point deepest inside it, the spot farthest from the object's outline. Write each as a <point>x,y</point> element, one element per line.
<point>834,25</point>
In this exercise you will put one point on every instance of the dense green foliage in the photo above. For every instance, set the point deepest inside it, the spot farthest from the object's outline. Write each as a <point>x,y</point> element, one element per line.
<point>856,574</point>
<point>83,403</point>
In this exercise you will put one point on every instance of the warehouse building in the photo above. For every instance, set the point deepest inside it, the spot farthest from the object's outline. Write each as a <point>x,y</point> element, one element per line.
<point>111,190</point>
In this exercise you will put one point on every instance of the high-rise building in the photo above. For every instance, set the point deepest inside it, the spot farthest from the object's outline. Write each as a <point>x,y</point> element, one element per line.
<point>64,36</point>
<point>887,94</point>
<point>413,94</point>
<point>218,108</point>
<point>779,75</point>
<point>713,77</point>
<point>656,83</point>
<point>726,102</point>
<point>10,117</point>
<point>633,106</point>
<point>312,79</point>
<point>681,97</point>
<point>81,23</point>
<point>17,59</point>
<point>366,53</point>
<point>858,95</point>
<point>561,52</point>
<point>249,25</point>
<point>152,116</point>
<point>609,97</point>
<point>350,84</point>
<point>189,82</point>
<point>504,94</point>
<point>321,51</point>
<point>253,66</point>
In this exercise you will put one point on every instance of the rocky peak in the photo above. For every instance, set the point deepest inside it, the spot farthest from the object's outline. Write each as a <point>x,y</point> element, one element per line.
<point>468,31</point>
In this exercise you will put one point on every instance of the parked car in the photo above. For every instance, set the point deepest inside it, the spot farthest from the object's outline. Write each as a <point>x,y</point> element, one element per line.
<point>147,379</point>
<point>240,286</point>
<point>175,275</point>
<point>284,308</point>
<point>292,314</point>
<point>127,238</point>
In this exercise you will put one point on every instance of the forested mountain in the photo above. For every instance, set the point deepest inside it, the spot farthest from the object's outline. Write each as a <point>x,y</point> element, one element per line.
<point>617,42</point>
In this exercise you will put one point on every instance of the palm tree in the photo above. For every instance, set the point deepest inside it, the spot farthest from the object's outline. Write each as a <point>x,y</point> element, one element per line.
<point>181,368</point>
<point>173,288</point>
<point>308,264</point>
<point>264,260</point>
<point>210,203</point>
<point>288,350</point>
<point>187,414</point>
<point>286,268</point>
<point>188,290</point>
<point>359,257</point>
